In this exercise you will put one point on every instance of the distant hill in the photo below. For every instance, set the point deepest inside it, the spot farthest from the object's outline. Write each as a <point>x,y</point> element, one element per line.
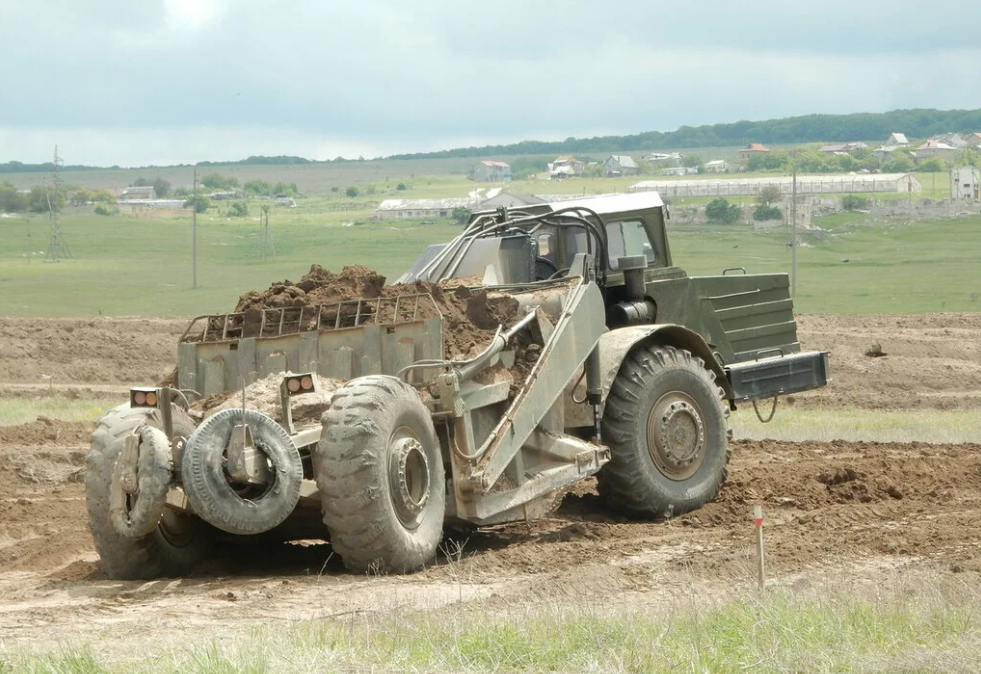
<point>867,126</point>
<point>255,160</point>
<point>917,123</point>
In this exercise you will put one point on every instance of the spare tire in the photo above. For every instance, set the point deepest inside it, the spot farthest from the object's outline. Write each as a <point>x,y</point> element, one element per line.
<point>136,510</point>
<point>213,498</point>
<point>176,544</point>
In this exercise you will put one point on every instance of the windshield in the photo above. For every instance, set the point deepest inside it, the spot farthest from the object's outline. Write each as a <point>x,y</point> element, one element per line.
<point>628,238</point>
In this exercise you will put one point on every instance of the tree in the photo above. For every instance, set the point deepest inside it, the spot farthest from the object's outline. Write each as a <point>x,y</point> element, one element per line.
<point>968,157</point>
<point>720,210</point>
<point>199,203</point>
<point>401,187</point>
<point>257,186</point>
<point>461,214</point>
<point>141,182</point>
<point>238,209</point>
<point>352,191</point>
<point>81,197</point>
<point>854,202</point>
<point>692,161</point>
<point>105,210</point>
<point>932,165</point>
<point>767,212</point>
<point>217,181</point>
<point>161,187</point>
<point>769,195</point>
<point>11,201</point>
<point>43,199</point>
<point>901,162</point>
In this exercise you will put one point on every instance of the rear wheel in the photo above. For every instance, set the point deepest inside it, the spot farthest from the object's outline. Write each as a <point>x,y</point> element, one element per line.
<point>668,431</point>
<point>176,544</point>
<point>380,474</point>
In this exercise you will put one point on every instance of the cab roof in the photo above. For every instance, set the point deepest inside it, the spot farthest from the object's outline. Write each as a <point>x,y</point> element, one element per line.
<point>611,203</point>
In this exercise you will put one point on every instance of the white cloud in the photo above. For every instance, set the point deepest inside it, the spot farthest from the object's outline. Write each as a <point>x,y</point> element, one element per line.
<point>222,80</point>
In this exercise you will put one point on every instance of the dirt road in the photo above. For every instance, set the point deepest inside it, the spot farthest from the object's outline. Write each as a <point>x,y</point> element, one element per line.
<point>830,506</point>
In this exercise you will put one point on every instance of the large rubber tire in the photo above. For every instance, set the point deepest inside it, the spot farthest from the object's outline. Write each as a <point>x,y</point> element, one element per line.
<point>176,544</point>
<point>667,426</point>
<point>136,514</point>
<point>213,497</point>
<point>380,473</point>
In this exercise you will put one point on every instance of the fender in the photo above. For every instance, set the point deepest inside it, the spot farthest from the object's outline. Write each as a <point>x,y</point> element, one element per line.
<point>616,344</point>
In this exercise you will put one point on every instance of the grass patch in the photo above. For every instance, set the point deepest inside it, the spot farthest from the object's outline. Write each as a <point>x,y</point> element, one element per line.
<point>921,626</point>
<point>17,410</point>
<point>796,424</point>
<point>141,265</point>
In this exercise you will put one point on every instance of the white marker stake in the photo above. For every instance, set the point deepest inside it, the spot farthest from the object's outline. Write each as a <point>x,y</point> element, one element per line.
<point>758,522</point>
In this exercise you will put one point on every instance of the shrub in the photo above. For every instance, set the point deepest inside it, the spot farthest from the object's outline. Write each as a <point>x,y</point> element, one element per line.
<point>720,210</point>
<point>461,214</point>
<point>767,212</point>
<point>103,209</point>
<point>352,191</point>
<point>854,202</point>
<point>199,203</point>
<point>401,187</point>
<point>238,209</point>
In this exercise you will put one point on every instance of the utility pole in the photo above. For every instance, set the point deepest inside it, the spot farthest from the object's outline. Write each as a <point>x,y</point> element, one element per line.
<point>793,232</point>
<point>194,233</point>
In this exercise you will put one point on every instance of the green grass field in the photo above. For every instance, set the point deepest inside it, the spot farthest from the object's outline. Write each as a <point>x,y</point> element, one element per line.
<point>127,265</point>
<point>138,264</point>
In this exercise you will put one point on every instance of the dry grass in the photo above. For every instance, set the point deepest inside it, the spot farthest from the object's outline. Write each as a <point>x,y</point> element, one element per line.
<point>854,424</point>
<point>905,624</point>
<point>21,410</point>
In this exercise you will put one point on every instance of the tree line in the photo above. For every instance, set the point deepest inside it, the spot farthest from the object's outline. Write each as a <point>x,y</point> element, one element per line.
<point>916,123</point>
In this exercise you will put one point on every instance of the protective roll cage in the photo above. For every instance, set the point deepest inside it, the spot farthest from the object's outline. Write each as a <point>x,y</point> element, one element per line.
<point>504,222</point>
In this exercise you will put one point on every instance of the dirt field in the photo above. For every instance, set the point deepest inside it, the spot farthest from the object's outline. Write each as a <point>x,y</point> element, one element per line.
<point>832,508</point>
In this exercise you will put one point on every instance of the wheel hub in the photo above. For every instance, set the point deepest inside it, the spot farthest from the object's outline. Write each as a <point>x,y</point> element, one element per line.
<point>409,480</point>
<point>676,436</point>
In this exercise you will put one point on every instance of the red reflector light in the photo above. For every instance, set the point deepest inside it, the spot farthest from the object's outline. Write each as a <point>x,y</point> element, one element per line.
<point>151,398</point>
<point>306,383</point>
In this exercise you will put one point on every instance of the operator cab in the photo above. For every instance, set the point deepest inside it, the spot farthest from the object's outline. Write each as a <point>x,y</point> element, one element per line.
<point>540,241</point>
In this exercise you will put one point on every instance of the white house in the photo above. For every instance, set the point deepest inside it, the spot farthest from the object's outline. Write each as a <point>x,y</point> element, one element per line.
<point>716,166</point>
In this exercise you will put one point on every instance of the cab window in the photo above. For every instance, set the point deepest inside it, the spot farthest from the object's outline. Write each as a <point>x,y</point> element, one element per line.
<point>628,238</point>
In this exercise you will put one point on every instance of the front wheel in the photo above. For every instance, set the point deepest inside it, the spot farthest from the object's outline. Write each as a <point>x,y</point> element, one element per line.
<point>668,432</point>
<point>381,479</point>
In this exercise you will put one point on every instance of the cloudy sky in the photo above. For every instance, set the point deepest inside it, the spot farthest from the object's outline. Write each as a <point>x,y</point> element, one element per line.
<point>174,81</point>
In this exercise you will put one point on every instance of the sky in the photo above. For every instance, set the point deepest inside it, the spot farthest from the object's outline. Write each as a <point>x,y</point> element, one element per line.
<point>156,82</point>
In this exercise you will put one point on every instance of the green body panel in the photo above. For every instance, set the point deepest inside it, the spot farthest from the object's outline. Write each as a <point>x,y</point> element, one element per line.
<point>742,317</point>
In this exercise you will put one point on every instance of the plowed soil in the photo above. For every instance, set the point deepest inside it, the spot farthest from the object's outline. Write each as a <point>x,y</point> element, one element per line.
<point>831,508</point>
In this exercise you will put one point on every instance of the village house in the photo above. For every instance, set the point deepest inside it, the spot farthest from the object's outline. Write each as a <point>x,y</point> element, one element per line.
<point>565,166</point>
<point>842,147</point>
<point>659,159</point>
<point>489,171</point>
<point>716,166</point>
<point>896,140</point>
<point>935,148</point>
<point>751,149</point>
<point>143,193</point>
<point>620,165</point>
